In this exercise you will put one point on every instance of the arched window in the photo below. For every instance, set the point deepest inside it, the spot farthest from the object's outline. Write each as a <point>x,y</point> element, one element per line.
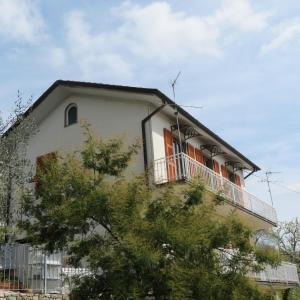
<point>71,114</point>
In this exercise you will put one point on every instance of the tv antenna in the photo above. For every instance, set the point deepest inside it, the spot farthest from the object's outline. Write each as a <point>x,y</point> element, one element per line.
<point>173,84</point>
<point>268,180</point>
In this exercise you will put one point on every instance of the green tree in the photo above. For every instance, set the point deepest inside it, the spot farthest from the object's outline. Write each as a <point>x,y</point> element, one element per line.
<point>288,237</point>
<point>139,241</point>
<point>15,132</point>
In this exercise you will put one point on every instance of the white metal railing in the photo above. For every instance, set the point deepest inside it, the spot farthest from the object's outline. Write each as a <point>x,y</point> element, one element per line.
<point>284,273</point>
<point>26,268</point>
<point>183,167</point>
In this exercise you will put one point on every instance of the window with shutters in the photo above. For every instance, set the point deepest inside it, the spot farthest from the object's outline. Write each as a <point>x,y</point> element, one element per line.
<point>199,156</point>
<point>42,162</point>
<point>71,114</point>
<point>169,152</point>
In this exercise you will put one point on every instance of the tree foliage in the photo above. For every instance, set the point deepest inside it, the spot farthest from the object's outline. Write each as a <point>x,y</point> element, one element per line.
<point>139,241</point>
<point>288,237</point>
<point>15,132</point>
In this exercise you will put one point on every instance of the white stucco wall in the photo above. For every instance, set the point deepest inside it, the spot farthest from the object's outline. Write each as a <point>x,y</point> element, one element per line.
<point>108,118</point>
<point>158,123</point>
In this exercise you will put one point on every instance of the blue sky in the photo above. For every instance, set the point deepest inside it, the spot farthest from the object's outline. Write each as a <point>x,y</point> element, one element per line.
<point>239,59</point>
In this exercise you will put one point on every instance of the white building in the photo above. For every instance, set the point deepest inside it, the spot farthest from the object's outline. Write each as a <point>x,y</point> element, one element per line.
<point>176,146</point>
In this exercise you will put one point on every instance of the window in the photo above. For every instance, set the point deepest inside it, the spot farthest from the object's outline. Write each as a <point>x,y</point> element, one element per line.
<point>208,162</point>
<point>71,115</point>
<point>176,146</point>
<point>231,177</point>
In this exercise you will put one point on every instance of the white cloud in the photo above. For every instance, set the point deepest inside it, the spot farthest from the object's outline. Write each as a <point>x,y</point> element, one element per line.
<point>242,16</point>
<point>156,34</point>
<point>56,57</point>
<point>284,34</point>
<point>156,31</point>
<point>94,53</point>
<point>20,21</point>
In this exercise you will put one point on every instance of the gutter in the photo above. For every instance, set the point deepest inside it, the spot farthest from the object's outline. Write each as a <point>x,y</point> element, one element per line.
<point>144,121</point>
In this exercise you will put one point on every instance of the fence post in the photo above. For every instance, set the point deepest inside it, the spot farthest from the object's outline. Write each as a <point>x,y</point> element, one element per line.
<point>61,272</point>
<point>233,193</point>
<point>45,273</point>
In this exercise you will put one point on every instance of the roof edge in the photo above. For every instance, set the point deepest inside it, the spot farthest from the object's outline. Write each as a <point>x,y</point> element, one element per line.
<point>162,96</point>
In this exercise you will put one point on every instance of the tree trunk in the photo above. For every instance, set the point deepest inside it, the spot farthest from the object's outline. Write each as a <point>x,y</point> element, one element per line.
<point>8,203</point>
<point>285,295</point>
<point>8,207</point>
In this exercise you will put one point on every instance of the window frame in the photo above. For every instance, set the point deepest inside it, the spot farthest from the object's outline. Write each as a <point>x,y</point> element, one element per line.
<point>67,109</point>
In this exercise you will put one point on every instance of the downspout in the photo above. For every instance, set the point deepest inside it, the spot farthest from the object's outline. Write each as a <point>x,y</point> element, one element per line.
<point>250,174</point>
<point>144,134</point>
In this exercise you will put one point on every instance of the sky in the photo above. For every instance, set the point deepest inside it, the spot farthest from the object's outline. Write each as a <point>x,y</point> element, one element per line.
<point>239,60</point>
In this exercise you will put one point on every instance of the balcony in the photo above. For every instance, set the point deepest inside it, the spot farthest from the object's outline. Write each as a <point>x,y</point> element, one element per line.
<point>183,167</point>
<point>286,273</point>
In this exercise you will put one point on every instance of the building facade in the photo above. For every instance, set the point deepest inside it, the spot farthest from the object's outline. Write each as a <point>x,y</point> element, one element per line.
<point>176,147</point>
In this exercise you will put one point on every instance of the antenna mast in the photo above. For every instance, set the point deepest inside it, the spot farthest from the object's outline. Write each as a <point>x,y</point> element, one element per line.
<point>173,84</point>
<point>268,181</point>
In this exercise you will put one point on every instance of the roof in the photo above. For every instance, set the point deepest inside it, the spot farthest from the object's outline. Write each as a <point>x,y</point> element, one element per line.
<point>139,90</point>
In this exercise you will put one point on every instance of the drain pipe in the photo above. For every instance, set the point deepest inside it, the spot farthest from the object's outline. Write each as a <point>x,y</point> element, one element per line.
<point>144,133</point>
<point>250,174</point>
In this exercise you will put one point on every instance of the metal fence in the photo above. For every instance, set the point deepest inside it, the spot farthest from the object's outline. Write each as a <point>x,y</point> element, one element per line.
<point>26,268</point>
<point>183,167</point>
<point>284,273</point>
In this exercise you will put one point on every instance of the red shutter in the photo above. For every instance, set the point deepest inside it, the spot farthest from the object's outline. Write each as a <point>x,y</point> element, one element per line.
<point>41,165</point>
<point>191,151</point>
<point>171,164</point>
<point>199,156</point>
<point>216,166</point>
<point>224,172</point>
<point>192,154</point>
<point>239,194</point>
<point>41,161</point>
<point>238,180</point>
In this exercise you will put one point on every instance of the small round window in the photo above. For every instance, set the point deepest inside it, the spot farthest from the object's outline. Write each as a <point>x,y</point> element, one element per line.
<point>71,115</point>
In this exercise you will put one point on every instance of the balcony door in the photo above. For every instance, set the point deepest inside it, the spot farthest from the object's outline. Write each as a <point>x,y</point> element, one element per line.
<point>170,158</point>
<point>199,156</point>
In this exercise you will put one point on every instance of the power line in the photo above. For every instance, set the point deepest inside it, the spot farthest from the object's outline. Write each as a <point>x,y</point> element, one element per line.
<point>287,188</point>
<point>278,184</point>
